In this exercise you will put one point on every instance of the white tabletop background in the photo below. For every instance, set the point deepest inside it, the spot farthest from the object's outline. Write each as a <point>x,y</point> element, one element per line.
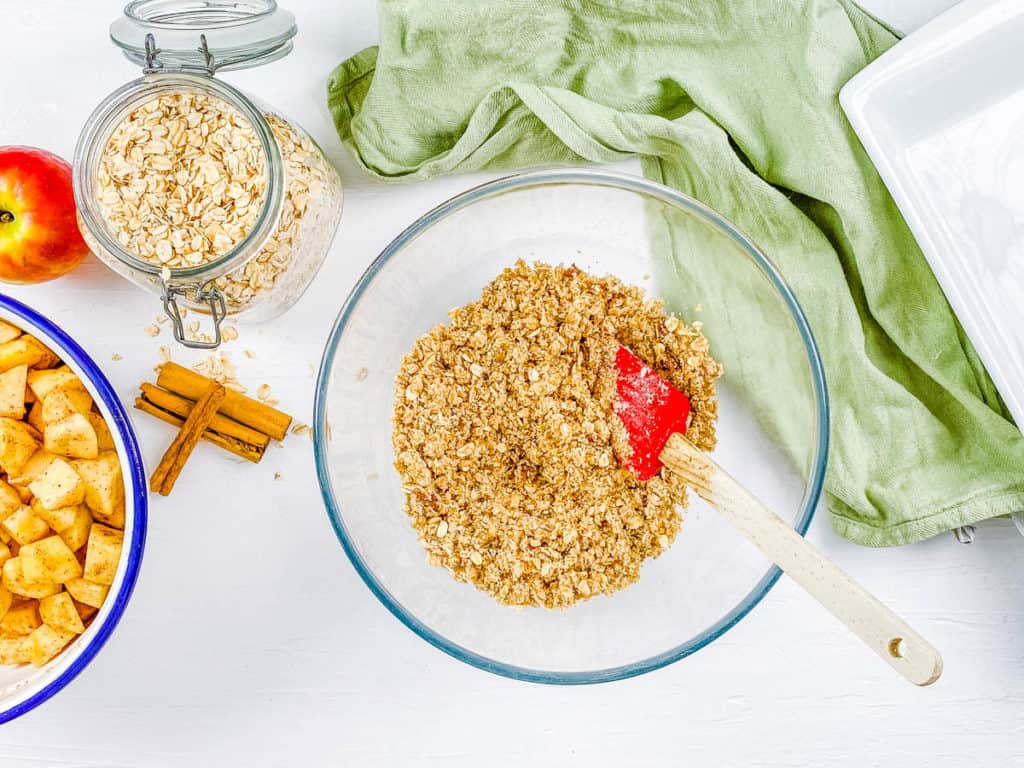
<point>250,640</point>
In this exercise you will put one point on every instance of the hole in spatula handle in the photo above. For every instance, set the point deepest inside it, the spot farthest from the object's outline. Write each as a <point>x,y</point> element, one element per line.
<point>896,647</point>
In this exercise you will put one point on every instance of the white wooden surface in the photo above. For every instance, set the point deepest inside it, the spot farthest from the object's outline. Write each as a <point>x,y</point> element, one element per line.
<point>250,640</point>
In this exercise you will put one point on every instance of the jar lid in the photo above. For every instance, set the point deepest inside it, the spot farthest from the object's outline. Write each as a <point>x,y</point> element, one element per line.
<point>203,35</point>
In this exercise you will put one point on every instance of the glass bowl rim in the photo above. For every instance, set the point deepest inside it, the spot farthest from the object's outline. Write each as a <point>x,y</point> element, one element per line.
<point>135,479</point>
<point>629,183</point>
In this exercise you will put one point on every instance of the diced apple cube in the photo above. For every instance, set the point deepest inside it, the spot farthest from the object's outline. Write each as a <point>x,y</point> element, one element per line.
<point>18,441</point>
<point>49,560</point>
<point>60,613</point>
<point>104,487</point>
<point>25,526</point>
<point>59,485</point>
<point>77,534</point>
<point>57,406</point>
<point>102,553</point>
<point>12,392</point>
<point>9,499</point>
<point>14,579</point>
<point>88,592</point>
<point>16,650</point>
<point>116,518</point>
<point>63,379</point>
<point>26,350</point>
<point>38,463</point>
<point>47,642</point>
<point>58,519</point>
<point>8,332</point>
<point>72,436</point>
<point>20,619</point>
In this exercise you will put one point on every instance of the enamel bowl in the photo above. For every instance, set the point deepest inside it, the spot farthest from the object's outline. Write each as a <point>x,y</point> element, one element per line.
<point>772,428</point>
<point>26,687</point>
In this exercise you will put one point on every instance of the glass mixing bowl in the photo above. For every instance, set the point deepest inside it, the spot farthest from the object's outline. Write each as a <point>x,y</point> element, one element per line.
<point>772,430</point>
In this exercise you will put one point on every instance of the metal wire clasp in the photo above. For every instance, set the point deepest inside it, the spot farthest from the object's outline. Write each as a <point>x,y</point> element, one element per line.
<point>213,298</point>
<point>153,64</point>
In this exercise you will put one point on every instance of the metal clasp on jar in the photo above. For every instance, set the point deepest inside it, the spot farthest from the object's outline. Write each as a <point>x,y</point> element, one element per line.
<point>200,294</point>
<point>153,63</point>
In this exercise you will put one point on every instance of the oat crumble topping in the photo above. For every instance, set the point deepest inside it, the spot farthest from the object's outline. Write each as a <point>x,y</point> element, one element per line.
<point>509,451</point>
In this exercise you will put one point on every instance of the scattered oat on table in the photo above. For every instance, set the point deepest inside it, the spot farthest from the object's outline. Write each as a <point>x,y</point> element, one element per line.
<point>264,396</point>
<point>201,336</point>
<point>508,448</point>
<point>219,367</point>
<point>152,330</point>
<point>362,373</point>
<point>115,357</point>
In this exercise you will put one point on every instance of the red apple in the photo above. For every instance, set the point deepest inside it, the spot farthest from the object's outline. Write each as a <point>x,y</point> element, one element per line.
<point>39,237</point>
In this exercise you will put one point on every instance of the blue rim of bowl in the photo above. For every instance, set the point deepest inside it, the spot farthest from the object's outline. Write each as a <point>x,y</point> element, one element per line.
<point>561,177</point>
<point>69,350</point>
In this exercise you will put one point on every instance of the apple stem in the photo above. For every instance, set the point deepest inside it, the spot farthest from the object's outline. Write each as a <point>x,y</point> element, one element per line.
<point>6,217</point>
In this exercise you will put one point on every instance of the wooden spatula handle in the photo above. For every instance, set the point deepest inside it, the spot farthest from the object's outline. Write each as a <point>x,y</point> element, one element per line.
<point>883,631</point>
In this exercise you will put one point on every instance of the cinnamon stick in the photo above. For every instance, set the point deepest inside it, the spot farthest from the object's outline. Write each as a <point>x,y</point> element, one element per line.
<point>180,406</point>
<point>245,410</point>
<point>185,441</point>
<point>230,443</point>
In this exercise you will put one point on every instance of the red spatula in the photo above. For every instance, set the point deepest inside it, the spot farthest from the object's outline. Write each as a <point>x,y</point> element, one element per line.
<point>655,415</point>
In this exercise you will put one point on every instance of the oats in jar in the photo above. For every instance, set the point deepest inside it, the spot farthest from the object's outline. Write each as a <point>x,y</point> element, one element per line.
<point>508,447</point>
<point>182,180</point>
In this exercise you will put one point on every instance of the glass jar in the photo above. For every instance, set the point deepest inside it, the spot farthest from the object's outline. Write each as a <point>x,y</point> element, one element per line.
<point>181,45</point>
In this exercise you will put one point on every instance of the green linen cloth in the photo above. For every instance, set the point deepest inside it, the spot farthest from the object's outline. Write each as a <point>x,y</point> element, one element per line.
<point>734,103</point>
